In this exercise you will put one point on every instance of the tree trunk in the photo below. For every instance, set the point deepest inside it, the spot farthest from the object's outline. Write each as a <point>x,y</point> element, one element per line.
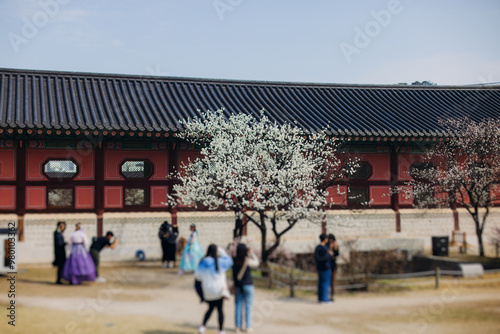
<point>479,233</point>
<point>263,233</point>
<point>238,227</point>
<point>261,224</point>
<point>480,242</point>
<point>277,237</point>
<point>270,250</point>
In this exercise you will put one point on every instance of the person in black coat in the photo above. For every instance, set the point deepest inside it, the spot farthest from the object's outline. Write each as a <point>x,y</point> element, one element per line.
<point>59,250</point>
<point>323,259</point>
<point>168,235</point>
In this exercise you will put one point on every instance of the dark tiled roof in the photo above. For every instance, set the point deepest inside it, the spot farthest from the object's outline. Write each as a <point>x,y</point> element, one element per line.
<point>107,102</point>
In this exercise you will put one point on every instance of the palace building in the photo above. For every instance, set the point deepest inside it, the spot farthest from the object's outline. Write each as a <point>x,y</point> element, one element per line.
<point>98,148</point>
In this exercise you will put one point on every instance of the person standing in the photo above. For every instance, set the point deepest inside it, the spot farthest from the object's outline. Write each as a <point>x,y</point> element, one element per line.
<point>323,259</point>
<point>97,246</point>
<point>192,252</point>
<point>79,266</point>
<point>334,252</point>
<point>59,250</point>
<point>244,260</point>
<point>168,235</point>
<point>211,272</point>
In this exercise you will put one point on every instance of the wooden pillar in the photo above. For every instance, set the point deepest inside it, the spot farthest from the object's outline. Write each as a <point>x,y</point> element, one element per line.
<point>99,168</point>
<point>173,165</point>
<point>398,219</point>
<point>173,161</point>
<point>21,187</point>
<point>455,216</point>
<point>173,216</point>
<point>244,232</point>
<point>323,222</point>
<point>394,184</point>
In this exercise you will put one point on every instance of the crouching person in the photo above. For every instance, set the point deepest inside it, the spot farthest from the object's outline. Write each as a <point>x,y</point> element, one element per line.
<point>97,246</point>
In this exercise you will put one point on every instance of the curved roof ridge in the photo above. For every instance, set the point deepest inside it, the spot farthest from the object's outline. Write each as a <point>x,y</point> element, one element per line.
<point>243,81</point>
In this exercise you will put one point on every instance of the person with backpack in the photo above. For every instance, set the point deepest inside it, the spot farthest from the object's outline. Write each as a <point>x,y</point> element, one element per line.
<point>168,235</point>
<point>211,273</point>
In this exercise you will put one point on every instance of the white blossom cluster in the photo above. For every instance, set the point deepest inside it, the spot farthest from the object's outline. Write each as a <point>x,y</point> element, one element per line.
<point>251,164</point>
<point>463,169</point>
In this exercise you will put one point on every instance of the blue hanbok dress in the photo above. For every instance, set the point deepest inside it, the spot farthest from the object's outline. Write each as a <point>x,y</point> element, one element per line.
<point>192,253</point>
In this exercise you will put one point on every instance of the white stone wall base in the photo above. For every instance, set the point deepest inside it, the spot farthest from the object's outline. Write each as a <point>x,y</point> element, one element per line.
<point>362,229</point>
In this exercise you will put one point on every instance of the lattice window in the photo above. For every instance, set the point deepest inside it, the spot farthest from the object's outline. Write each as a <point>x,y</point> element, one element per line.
<point>362,171</point>
<point>136,169</point>
<point>358,195</point>
<point>201,166</point>
<point>60,198</point>
<point>60,169</point>
<point>136,196</point>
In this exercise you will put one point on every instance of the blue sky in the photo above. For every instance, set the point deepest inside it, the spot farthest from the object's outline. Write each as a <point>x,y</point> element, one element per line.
<point>450,42</point>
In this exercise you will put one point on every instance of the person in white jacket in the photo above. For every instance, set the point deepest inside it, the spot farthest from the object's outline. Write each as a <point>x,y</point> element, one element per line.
<point>211,272</point>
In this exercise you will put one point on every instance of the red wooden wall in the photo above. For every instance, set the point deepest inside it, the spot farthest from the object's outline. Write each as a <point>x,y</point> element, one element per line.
<point>380,163</point>
<point>404,163</point>
<point>7,173</point>
<point>7,164</point>
<point>378,184</point>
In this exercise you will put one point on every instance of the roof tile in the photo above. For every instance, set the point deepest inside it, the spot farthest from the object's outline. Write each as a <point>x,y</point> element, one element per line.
<point>44,99</point>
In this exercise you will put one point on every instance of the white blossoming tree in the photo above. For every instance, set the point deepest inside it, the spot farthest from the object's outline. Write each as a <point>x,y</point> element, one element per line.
<point>462,170</point>
<point>250,165</point>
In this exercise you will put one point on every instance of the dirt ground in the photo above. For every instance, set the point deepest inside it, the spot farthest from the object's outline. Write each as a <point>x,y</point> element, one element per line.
<point>144,298</point>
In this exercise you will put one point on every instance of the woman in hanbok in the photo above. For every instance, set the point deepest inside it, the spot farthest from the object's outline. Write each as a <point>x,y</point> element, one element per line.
<point>79,266</point>
<point>192,252</point>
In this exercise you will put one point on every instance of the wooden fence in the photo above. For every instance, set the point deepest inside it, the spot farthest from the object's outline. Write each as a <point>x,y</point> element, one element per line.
<point>295,280</point>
